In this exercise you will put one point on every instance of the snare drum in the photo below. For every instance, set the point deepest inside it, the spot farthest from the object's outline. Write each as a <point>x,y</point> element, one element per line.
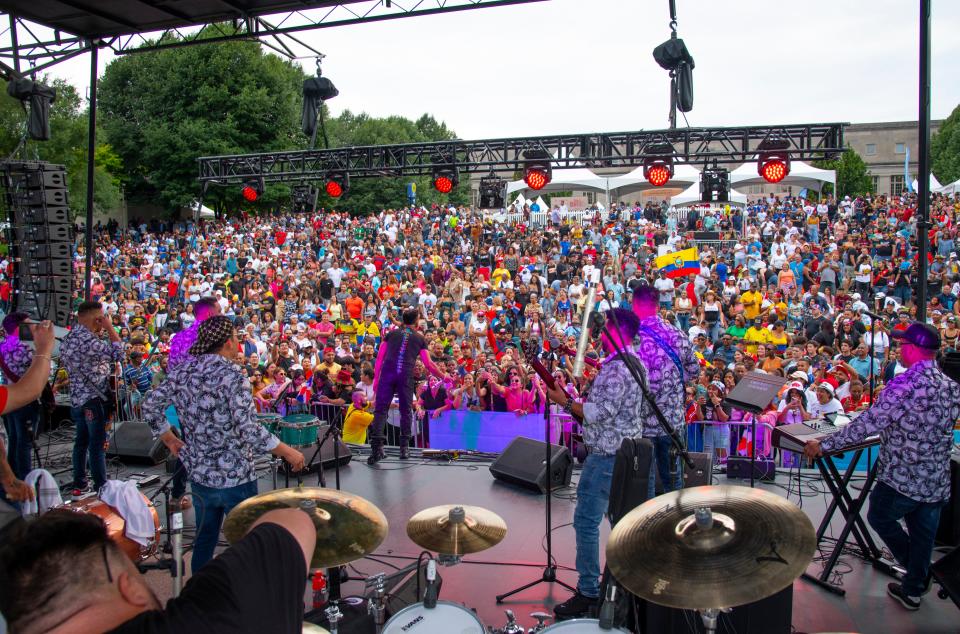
<point>446,618</point>
<point>92,505</point>
<point>299,430</point>
<point>580,626</point>
<point>270,421</point>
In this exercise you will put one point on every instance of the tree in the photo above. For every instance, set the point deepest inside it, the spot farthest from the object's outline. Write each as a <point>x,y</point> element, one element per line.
<point>67,146</point>
<point>852,176</point>
<point>945,149</point>
<point>162,110</point>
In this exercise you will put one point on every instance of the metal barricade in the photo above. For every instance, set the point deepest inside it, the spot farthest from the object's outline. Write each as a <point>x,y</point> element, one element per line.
<point>737,435</point>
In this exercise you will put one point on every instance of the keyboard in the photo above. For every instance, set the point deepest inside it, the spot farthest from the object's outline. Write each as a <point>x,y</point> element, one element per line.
<point>794,437</point>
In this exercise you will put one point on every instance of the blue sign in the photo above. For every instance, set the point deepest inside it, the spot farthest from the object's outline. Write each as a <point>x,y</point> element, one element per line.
<point>412,192</point>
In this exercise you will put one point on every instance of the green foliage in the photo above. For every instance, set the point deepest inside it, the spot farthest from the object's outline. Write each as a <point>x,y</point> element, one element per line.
<point>162,110</point>
<point>374,194</point>
<point>852,176</point>
<point>67,146</point>
<point>945,149</point>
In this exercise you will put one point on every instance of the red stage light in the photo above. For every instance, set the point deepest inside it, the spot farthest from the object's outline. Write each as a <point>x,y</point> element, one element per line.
<point>658,175</point>
<point>249,193</point>
<point>536,178</point>
<point>443,184</point>
<point>774,171</point>
<point>334,189</point>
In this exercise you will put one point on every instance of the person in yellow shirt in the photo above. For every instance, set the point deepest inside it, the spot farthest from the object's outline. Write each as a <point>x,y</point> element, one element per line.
<point>755,335</point>
<point>752,302</point>
<point>369,328</point>
<point>357,420</point>
<point>499,276</point>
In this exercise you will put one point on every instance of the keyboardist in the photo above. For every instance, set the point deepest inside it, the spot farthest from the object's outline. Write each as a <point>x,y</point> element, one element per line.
<point>914,418</point>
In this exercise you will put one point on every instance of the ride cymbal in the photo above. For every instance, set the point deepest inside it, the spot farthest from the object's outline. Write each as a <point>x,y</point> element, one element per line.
<point>454,529</point>
<point>348,526</point>
<point>749,545</point>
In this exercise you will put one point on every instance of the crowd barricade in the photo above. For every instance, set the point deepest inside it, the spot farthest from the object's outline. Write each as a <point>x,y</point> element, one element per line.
<point>541,218</point>
<point>734,439</point>
<point>715,245</point>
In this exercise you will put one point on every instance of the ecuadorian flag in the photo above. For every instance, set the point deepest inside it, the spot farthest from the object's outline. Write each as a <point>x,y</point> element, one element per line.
<point>686,262</point>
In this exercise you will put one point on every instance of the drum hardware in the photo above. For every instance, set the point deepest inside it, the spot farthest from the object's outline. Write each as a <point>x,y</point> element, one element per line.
<point>177,529</point>
<point>376,607</point>
<point>445,618</point>
<point>710,548</point>
<point>349,527</point>
<point>512,627</point>
<point>542,618</point>
<point>581,626</point>
<point>333,616</point>
<point>448,560</point>
<point>456,530</point>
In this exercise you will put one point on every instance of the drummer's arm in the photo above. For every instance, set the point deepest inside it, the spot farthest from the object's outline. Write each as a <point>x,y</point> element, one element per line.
<point>298,524</point>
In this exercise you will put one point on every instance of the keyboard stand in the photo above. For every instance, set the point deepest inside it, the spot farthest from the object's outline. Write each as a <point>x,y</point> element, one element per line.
<point>854,523</point>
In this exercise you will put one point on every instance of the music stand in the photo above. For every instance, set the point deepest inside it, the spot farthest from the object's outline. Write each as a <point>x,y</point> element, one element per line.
<point>753,394</point>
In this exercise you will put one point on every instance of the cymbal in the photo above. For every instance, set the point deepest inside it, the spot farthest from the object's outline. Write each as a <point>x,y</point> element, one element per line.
<point>455,529</point>
<point>348,526</point>
<point>310,628</point>
<point>756,545</point>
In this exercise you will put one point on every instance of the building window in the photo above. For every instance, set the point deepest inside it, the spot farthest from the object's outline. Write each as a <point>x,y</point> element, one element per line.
<point>876,183</point>
<point>901,148</point>
<point>871,149</point>
<point>897,185</point>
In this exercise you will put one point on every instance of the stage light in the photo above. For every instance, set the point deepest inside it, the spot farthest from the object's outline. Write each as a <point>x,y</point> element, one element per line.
<point>492,191</point>
<point>537,172</point>
<point>715,185</point>
<point>445,179</point>
<point>338,184</point>
<point>252,189</point>
<point>658,164</point>
<point>773,161</point>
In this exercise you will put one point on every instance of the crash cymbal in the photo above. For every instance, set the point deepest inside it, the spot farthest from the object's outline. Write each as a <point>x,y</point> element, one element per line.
<point>348,526</point>
<point>310,628</point>
<point>454,529</point>
<point>749,545</point>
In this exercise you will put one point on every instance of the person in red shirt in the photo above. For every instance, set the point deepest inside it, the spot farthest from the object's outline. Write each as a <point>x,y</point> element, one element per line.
<point>858,400</point>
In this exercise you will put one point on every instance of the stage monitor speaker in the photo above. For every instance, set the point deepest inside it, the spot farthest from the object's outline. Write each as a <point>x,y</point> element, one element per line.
<point>522,463</point>
<point>702,472</point>
<point>738,467</point>
<point>948,533</point>
<point>767,616</point>
<point>133,441</point>
<point>325,458</point>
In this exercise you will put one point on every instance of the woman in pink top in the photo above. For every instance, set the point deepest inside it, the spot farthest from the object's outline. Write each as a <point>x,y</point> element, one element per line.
<point>519,400</point>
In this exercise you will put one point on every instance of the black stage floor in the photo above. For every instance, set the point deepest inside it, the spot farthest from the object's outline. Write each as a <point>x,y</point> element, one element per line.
<point>400,489</point>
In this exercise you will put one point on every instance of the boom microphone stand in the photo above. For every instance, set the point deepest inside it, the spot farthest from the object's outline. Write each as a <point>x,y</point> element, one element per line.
<point>549,574</point>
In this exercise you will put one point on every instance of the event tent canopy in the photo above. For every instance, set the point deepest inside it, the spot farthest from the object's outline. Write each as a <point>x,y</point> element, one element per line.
<point>949,188</point>
<point>935,185</point>
<point>580,179</point>
<point>801,175</point>
<point>634,181</point>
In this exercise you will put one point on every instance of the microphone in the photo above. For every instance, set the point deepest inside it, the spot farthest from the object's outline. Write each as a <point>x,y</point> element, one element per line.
<point>872,315</point>
<point>432,594</point>
<point>584,327</point>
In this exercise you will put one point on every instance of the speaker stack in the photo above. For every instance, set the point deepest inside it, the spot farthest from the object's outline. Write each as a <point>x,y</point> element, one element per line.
<point>41,240</point>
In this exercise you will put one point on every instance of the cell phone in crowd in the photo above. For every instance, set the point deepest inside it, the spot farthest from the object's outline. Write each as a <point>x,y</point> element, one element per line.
<point>25,333</point>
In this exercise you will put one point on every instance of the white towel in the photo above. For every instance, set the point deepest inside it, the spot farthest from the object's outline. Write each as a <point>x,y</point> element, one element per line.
<point>48,492</point>
<point>126,499</point>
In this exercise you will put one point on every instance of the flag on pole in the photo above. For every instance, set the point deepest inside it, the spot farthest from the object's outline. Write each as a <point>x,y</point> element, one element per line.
<point>680,263</point>
<point>906,171</point>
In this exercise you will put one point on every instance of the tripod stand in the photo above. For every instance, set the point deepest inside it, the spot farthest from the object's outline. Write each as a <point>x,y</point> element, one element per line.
<point>335,432</point>
<point>549,574</point>
<point>174,541</point>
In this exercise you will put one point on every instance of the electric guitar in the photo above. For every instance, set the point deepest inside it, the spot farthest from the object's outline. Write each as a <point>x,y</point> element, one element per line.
<point>530,355</point>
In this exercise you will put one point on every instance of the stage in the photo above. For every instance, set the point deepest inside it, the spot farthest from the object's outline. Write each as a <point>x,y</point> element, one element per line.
<point>401,488</point>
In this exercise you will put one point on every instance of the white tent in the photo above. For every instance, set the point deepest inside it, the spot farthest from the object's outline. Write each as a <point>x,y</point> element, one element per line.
<point>935,185</point>
<point>634,181</point>
<point>801,175</point>
<point>203,211</point>
<point>950,188</point>
<point>579,178</point>
<point>692,195</point>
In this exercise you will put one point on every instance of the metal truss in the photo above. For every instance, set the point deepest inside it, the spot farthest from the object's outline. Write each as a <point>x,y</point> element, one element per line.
<point>620,149</point>
<point>38,47</point>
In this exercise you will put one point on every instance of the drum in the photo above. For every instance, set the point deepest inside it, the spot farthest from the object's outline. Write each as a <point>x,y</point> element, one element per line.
<point>580,626</point>
<point>92,505</point>
<point>446,618</point>
<point>299,430</point>
<point>270,421</point>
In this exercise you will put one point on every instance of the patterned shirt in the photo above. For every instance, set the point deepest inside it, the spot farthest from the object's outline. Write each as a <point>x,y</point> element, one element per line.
<point>914,417</point>
<point>664,379</point>
<point>89,362</point>
<point>614,409</point>
<point>17,356</point>
<point>213,400</point>
<point>180,345</point>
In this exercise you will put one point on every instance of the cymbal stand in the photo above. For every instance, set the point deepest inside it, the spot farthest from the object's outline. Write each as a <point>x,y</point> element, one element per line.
<point>710,619</point>
<point>376,607</point>
<point>333,616</point>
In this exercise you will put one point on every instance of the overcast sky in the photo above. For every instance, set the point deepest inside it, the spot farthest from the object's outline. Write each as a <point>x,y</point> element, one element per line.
<point>566,66</point>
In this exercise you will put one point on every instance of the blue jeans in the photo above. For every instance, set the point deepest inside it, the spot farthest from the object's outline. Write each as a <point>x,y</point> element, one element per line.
<point>663,466</point>
<point>593,495</point>
<point>22,428</point>
<point>912,548</point>
<point>91,422</point>
<point>212,505</point>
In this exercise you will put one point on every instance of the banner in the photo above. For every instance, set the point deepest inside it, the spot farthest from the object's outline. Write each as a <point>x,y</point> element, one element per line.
<point>486,431</point>
<point>679,263</point>
<point>573,203</point>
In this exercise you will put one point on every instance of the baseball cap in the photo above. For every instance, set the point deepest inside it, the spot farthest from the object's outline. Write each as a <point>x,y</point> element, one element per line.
<point>826,387</point>
<point>920,335</point>
<point>799,375</point>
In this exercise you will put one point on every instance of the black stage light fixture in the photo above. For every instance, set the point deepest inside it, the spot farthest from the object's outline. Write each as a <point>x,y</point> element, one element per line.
<point>39,96</point>
<point>252,189</point>
<point>537,171</point>
<point>337,184</point>
<point>773,160</point>
<point>303,197</point>
<point>493,192</point>
<point>715,185</point>
<point>658,164</point>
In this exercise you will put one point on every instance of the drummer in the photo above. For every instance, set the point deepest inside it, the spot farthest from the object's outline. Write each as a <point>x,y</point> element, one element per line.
<point>90,586</point>
<point>213,399</point>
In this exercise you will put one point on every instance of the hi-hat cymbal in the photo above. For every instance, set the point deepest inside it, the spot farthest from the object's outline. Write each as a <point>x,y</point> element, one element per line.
<point>757,544</point>
<point>348,526</point>
<point>454,529</point>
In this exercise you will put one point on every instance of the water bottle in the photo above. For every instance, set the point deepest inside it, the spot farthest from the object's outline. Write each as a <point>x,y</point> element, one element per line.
<point>320,590</point>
